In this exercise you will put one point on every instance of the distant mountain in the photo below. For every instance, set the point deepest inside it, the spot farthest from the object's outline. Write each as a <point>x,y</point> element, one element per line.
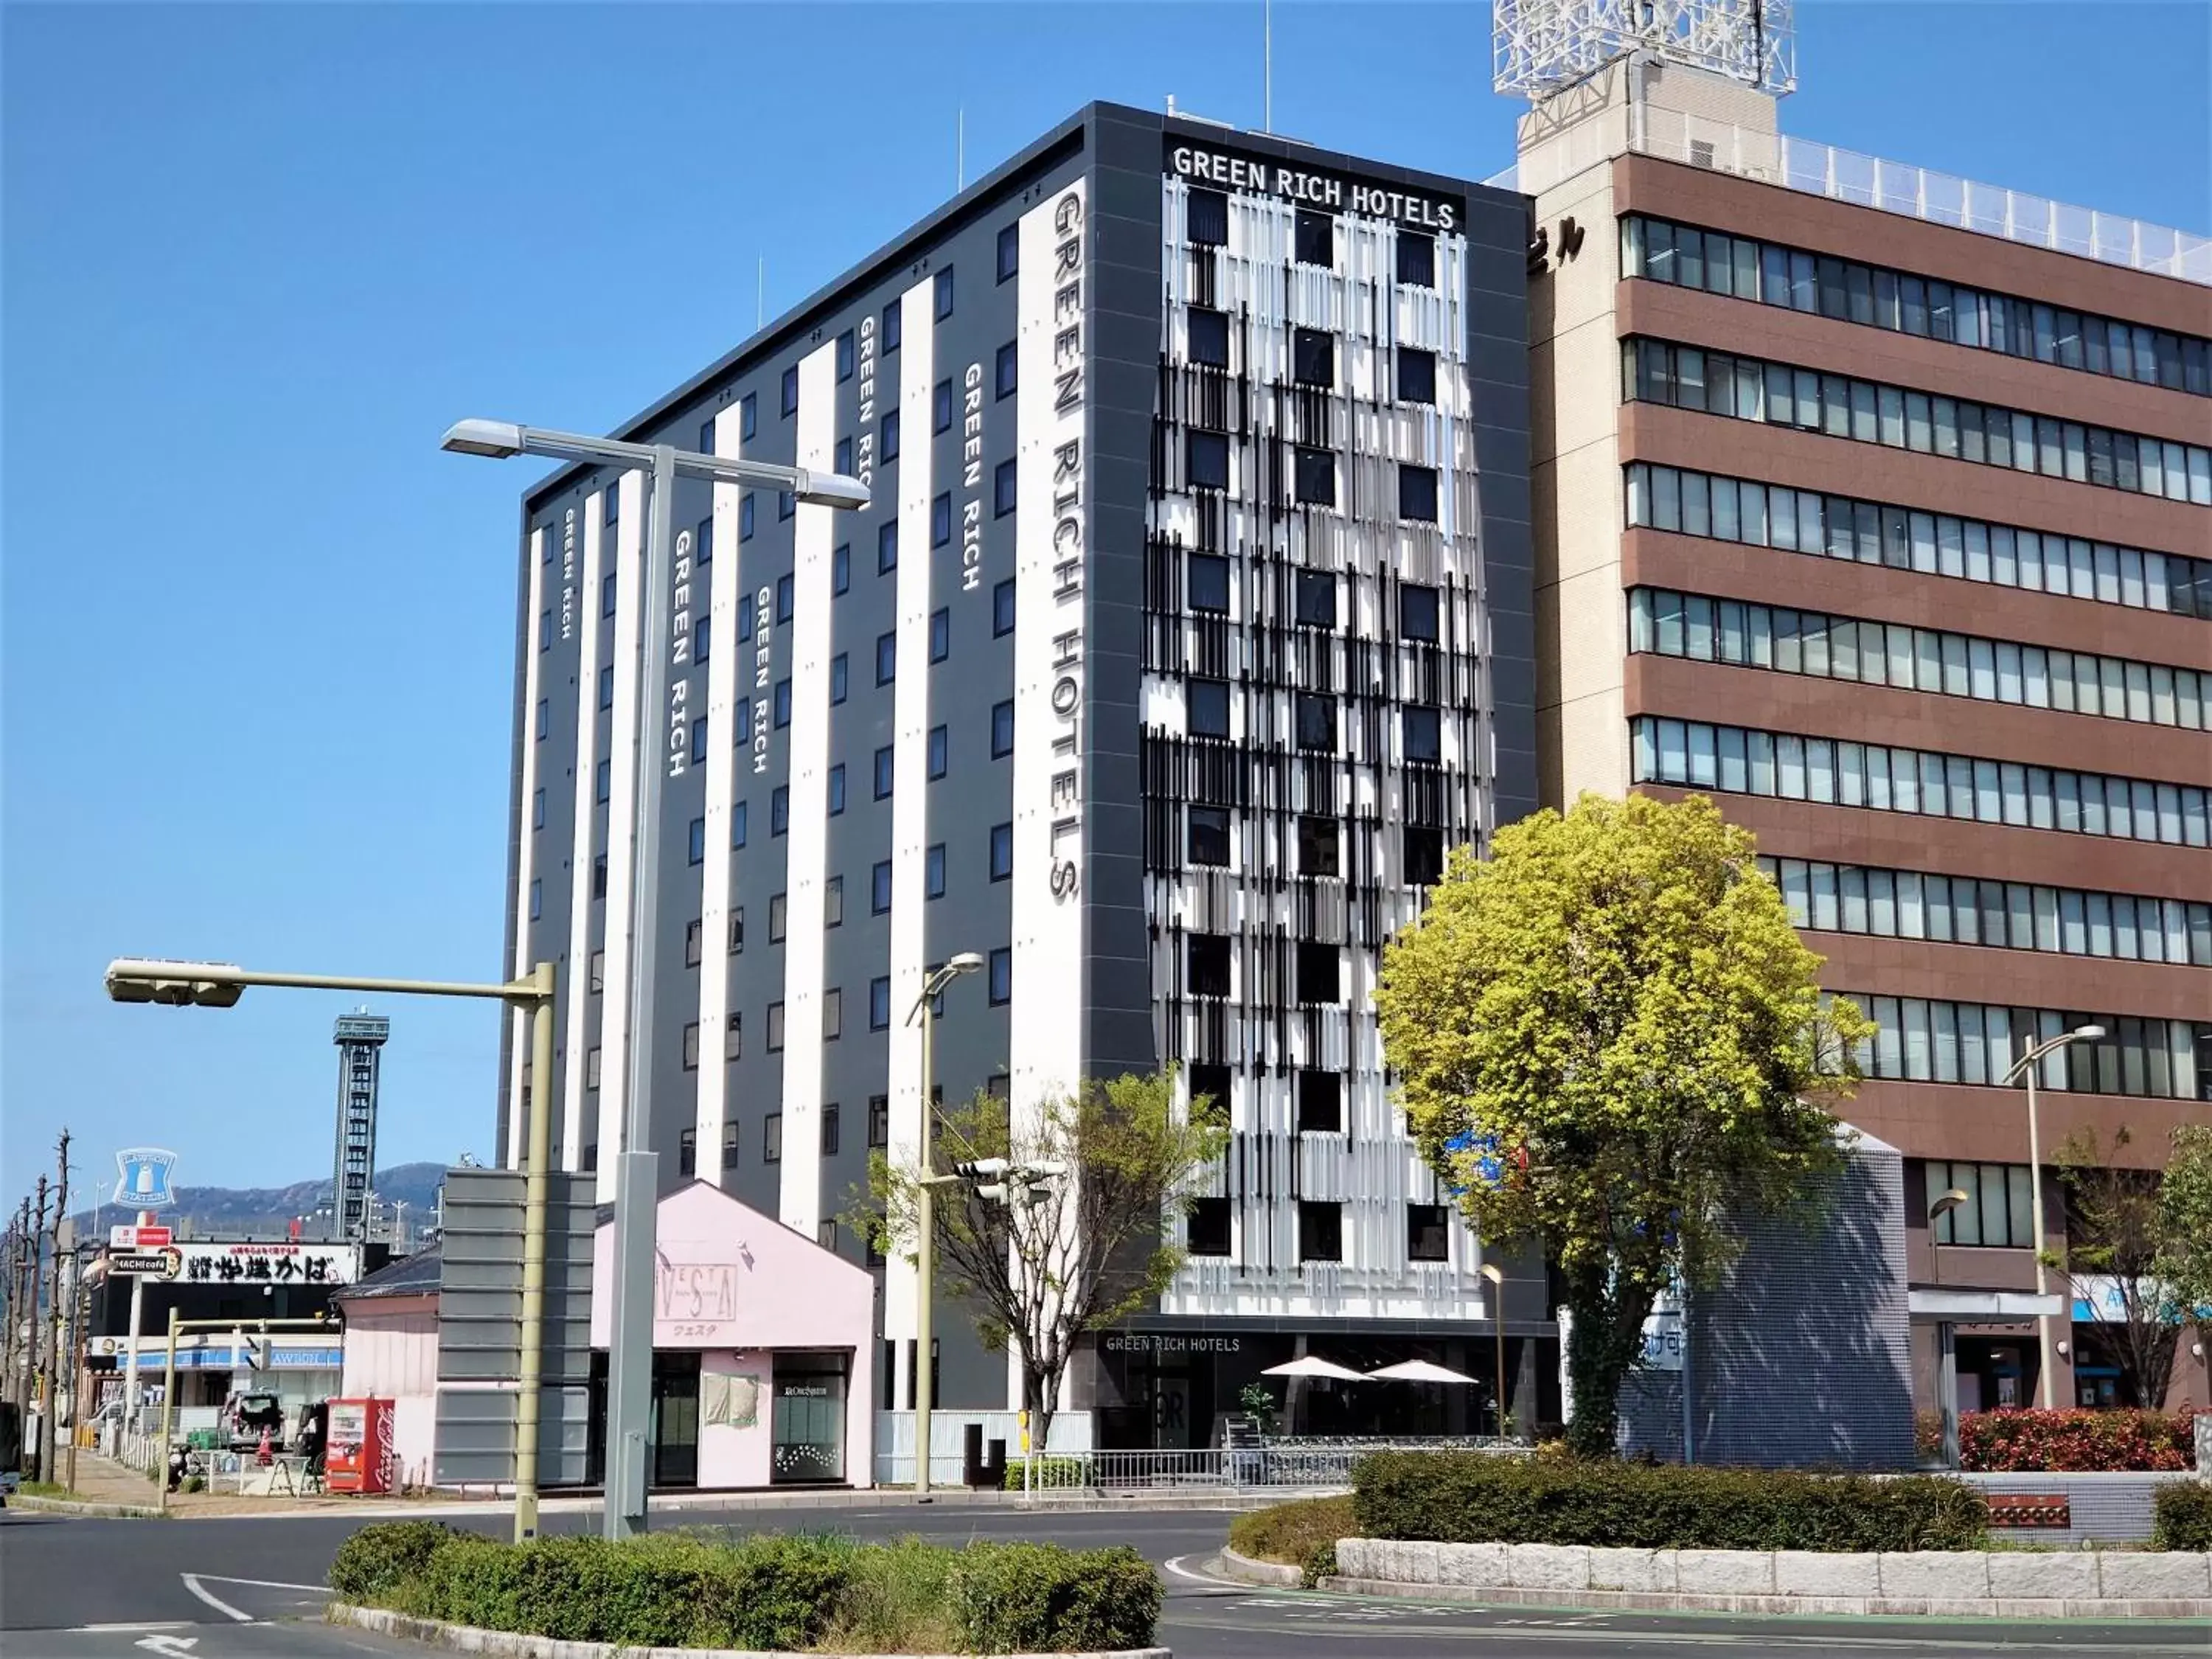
<point>236,1211</point>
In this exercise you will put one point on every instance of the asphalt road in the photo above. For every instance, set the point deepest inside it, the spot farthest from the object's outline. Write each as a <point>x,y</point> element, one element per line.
<point>247,1589</point>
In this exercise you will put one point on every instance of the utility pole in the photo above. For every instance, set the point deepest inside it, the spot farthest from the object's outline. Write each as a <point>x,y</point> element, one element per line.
<point>8,1249</point>
<point>57,1310</point>
<point>80,1322</point>
<point>19,1310</point>
<point>34,1393</point>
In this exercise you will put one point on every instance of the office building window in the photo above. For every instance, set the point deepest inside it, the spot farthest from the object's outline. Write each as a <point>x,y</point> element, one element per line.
<point>1206,1231</point>
<point>1209,835</point>
<point>1002,851</point>
<point>1318,847</point>
<point>1206,220</point>
<point>1207,701</point>
<point>1313,477</point>
<point>1424,855</point>
<point>1428,1232</point>
<point>1001,975</point>
<point>883,774</point>
<point>886,657</point>
<point>1002,489</point>
<point>1002,730</point>
<point>738,825</point>
<point>1010,250</point>
<point>790,390</point>
<point>1422,726</point>
<point>1316,598</point>
<point>1417,493</point>
<point>1321,1103</point>
<point>1320,1232</point>
<point>692,1046</point>
<point>1417,259</point>
<point>772,1138</point>
<point>1002,608</point>
<point>938,744</point>
<point>880,887</point>
<point>833,1025</point>
<point>1313,239</point>
<point>1206,961</point>
<point>893,327</point>
<point>1313,357</point>
<point>1208,460</point>
<point>1417,375</point>
<point>944,288</point>
<point>1418,612</point>
<point>1315,716</point>
<point>1206,333</point>
<point>880,1005</point>
<point>836,789</point>
<point>887,444</point>
<point>698,841</point>
<point>778,910</point>
<point>880,1121</point>
<point>1999,1211</point>
<point>1319,966</point>
<point>1207,582</point>
<point>933,872</point>
<point>941,635</point>
<point>1006,370</point>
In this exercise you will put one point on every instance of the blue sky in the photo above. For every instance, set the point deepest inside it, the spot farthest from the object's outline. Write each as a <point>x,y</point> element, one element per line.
<point>257,630</point>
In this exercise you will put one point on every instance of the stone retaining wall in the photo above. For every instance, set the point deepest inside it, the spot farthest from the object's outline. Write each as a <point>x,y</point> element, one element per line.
<point>2019,1583</point>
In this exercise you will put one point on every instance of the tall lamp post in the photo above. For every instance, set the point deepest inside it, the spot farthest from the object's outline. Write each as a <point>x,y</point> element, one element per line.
<point>220,985</point>
<point>1947,1334</point>
<point>1496,1275</point>
<point>629,1356</point>
<point>2027,1066</point>
<point>924,1264</point>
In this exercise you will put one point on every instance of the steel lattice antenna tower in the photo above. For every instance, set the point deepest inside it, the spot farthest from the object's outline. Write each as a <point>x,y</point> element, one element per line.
<point>1542,47</point>
<point>360,1038</point>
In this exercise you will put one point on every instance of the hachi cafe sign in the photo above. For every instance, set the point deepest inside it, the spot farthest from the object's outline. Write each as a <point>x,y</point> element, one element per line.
<point>1313,187</point>
<point>278,1262</point>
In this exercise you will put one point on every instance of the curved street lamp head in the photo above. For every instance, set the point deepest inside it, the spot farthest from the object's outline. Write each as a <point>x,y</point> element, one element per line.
<point>1493,1273</point>
<point>499,440</point>
<point>177,984</point>
<point>831,489</point>
<point>2087,1033</point>
<point>967,962</point>
<point>1949,1201</point>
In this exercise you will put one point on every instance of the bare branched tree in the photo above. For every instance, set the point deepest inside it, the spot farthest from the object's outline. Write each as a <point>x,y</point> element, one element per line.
<point>2113,1239</point>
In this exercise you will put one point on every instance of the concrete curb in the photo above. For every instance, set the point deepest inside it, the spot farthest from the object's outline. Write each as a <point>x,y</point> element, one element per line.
<point>73,1506</point>
<point>1946,1584</point>
<point>701,1510</point>
<point>507,1644</point>
<point>1260,1572</point>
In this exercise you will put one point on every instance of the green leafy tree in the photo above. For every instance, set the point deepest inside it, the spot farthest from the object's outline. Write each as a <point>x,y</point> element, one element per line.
<point>2115,1233</point>
<point>1611,1043</point>
<point>2184,1200</point>
<point>1054,1259</point>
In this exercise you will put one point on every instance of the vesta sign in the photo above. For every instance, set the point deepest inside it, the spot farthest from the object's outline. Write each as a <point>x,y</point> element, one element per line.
<point>1332,193</point>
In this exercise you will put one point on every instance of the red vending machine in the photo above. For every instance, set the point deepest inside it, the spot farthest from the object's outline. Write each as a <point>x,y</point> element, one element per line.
<point>360,1457</point>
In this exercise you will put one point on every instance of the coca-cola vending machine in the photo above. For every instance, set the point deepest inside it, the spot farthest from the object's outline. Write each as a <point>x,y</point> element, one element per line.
<point>359,1458</point>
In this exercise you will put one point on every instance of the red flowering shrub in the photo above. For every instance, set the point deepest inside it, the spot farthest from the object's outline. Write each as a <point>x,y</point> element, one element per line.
<point>2076,1440</point>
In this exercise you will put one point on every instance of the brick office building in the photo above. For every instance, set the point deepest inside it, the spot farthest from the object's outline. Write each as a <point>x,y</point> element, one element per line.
<point>1888,527</point>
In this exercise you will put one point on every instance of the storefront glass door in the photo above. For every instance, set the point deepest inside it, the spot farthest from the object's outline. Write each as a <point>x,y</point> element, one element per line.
<point>676,1419</point>
<point>808,1419</point>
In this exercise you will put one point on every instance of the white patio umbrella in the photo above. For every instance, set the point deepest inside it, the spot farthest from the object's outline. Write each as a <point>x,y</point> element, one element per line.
<point>1315,1365</point>
<point>1418,1371</point>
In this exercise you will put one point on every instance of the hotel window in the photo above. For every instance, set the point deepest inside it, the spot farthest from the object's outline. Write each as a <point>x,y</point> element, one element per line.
<point>1002,851</point>
<point>845,359</point>
<point>776,1028</point>
<point>880,1005</point>
<point>737,932</point>
<point>1417,612</point>
<point>944,291</point>
<point>1318,847</point>
<point>536,899</point>
<point>1320,1232</point>
<point>1313,239</point>
<point>545,631</point>
<point>1314,599</point>
<point>687,1145</point>
<point>1209,835</point>
<point>1208,583</point>
<point>833,1027</point>
<point>879,1120</point>
<point>883,773</point>
<point>692,1046</point>
<point>933,872</point>
<point>599,877</point>
<point>730,1137</point>
<point>1314,478</point>
<point>887,444</point>
<point>614,505</point>
<point>941,408</point>
<point>790,390</point>
<point>772,1138</point>
<point>1428,1232</point>
<point>592,1068</point>
<point>702,638</point>
<point>1314,718</point>
<point>1207,218</point>
<point>829,1129</point>
<point>1206,962</point>
<point>734,1047</point>
<point>1425,854</point>
<point>745,511</point>
<point>1002,730</point>
<point>691,937</point>
<point>1208,702</point>
<point>1002,608</point>
<point>1206,336</point>
<point>538,810</point>
<point>1211,1088</point>
<point>786,504</point>
<point>1313,357</point>
<point>545,716</point>
<point>836,789</point>
<point>610,591</point>
<point>1319,972</point>
<point>1010,250</point>
<point>779,810</point>
<point>894,319</point>
<point>941,635</point>
<point>1206,1231</point>
<point>1206,460</point>
<point>941,520</point>
<point>1006,370</point>
<point>698,841</point>
<point>1417,259</point>
<point>778,910</point>
<point>606,688</point>
<point>602,777</point>
<point>1000,971</point>
<point>886,657</point>
<point>783,709</point>
<point>880,887</point>
<point>702,539</point>
<point>738,825</point>
<point>1417,493</point>
<point>938,741</point>
<point>833,902</point>
<point>1422,726</point>
<point>748,415</point>
<point>1002,489</point>
<point>1417,375</point>
<point>1321,1103</point>
<point>596,973</point>
<point>844,461</point>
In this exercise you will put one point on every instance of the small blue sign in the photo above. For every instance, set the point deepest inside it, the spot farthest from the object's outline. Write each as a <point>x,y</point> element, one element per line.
<point>1489,1169</point>
<point>142,1177</point>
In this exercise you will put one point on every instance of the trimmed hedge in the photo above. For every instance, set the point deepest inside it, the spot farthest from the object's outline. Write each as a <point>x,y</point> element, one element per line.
<point>679,1589</point>
<point>1047,1474</point>
<point>2076,1440</point>
<point>1470,1497</point>
<point>1295,1534</point>
<point>2182,1512</point>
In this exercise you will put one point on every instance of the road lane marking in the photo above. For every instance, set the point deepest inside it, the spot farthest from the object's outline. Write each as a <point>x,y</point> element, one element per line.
<point>261,1583</point>
<point>193,1584</point>
<point>130,1625</point>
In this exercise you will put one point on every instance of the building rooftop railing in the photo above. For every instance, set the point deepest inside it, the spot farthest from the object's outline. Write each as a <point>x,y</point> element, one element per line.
<point>1845,175</point>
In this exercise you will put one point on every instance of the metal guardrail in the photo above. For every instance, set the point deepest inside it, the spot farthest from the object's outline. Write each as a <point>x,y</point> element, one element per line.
<point>1320,1461</point>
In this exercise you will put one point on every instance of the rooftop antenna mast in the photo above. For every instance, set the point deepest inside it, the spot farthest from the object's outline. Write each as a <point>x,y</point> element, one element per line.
<point>960,149</point>
<point>760,293</point>
<point>1267,66</point>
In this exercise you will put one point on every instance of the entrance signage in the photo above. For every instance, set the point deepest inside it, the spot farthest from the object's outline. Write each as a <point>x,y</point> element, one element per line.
<point>146,1264</point>
<point>1171,1342</point>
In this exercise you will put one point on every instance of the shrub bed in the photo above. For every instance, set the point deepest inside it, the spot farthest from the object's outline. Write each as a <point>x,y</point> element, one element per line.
<point>2081,1440</point>
<point>1468,1498</point>
<point>2182,1516</point>
<point>1046,1474</point>
<point>786,1593</point>
<point>1301,1535</point>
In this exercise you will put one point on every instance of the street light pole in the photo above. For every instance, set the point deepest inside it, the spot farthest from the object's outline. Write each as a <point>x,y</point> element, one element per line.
<point>925,1262</point>
<point>1496,1275</point>
<point>2028,1064</point>
<point>220,985</point>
